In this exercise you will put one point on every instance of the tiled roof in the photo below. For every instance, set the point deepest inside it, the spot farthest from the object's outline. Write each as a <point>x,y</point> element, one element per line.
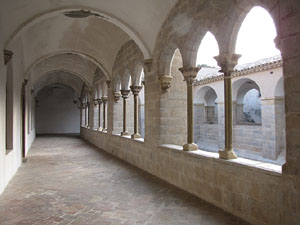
<point>207,73</point>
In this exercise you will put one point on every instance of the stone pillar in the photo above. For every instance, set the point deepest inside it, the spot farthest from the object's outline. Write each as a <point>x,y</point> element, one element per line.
<point>199,120</point>
<point>272,127</point>
<point>135,91</point>
<point>189,74</point>
<point>88,114</point>
<point>125,94</point>
<point>99,114</point>
<point>227,62</point>
<point>81,108</point>
<point>104,100</point>
<point>94,125</point>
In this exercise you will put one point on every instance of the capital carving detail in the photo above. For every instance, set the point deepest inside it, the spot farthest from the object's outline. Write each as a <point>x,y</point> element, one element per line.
<point>148,65</point>
<point>117,96</point>
<point>165,82</point>
<point>189,74</point>
<point>104,99</point>
<point>99,100</point>
<point>125,93</point>
<point>136,90</point>
<point>7,56</point>
<point>227,62</point>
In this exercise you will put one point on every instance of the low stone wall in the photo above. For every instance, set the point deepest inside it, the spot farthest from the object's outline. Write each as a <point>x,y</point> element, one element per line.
<point>247,140</point>
<point>208,138</point>
<point>254,194</point>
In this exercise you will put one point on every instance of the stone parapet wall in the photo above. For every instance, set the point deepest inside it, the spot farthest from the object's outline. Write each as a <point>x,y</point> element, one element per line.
<point>267,198</point>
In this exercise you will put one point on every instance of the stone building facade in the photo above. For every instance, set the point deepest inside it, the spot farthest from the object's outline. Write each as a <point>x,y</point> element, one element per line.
<point>107,47</point>
<point>262,140</point>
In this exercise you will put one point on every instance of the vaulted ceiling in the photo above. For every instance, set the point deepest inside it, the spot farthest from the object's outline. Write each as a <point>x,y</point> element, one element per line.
<point>77,36</point>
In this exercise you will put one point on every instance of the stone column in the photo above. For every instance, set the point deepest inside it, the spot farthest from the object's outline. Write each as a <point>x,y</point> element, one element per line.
<point>272,111</point>
<point>125,94</point>
<point>99,113</point>
<point>104,100</point>
<point>87,114</point>
<point>189,74</point>
<point>227,62</point>
<point>135,91</point>
<point>81,108</point>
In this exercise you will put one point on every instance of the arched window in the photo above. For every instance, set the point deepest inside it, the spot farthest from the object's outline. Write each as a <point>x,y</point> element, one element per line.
<point>248,107</point>
<point>211,108</point>
<point>206,118</point>
<point>256,36</point>
<point>142,107</point>
<point>208,49</point>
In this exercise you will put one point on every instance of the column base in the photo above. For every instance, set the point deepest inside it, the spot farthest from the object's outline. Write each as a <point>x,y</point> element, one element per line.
<point>190,147</point>
<point>104,130</point>
<point>99,129</point>
<point>125,133</point>
<point>225,154</point>
<point>136,136</point>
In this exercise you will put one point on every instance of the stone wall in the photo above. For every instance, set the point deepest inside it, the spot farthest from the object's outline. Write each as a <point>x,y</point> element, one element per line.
<point>173,126</point>
<point>56,112</point>
<point>257,195</point>
<point>208,139</point>
<point>247,141</point>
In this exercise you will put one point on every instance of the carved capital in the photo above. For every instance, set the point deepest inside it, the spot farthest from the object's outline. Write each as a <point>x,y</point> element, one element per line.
<point>189,74</point>
<point>165,82</point>
<point>99,100</point>
<point>95,102</point>
<point>227,62</point>
<point>117,96</point>
<point>104,99</point>
<point>125,93</point>
<point>7,56</point>
<point>148,65</point>
<point>135,90</point>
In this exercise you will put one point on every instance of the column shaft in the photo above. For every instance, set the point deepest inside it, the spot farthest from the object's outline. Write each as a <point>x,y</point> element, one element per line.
<point>136,114</point>
<point>136,90</point>
<point>125,96</point>
<point>190,74</point>
<point>86,116</point>
<point>228,112</point>
<point>99,115</point>
<point>190,114</point>
<point>104,115</point>
<point>227,62</point>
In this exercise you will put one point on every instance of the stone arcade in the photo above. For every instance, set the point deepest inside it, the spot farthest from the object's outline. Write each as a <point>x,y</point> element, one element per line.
<point>123,74</point>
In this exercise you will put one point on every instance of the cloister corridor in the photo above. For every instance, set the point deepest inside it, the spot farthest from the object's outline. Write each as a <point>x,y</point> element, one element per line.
<point>68,181</point>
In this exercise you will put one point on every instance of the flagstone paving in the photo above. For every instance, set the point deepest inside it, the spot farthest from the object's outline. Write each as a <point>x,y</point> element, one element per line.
<point>68,181</point>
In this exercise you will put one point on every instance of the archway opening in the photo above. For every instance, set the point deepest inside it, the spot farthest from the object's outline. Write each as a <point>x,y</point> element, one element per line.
<point>206,119</point>
<point>248,106</point>
<point>256,36</point>
<point>208,49</point>
<point>256,131</point>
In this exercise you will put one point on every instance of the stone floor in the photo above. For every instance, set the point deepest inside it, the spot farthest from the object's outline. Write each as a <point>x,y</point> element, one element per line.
<point>68,181</point>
